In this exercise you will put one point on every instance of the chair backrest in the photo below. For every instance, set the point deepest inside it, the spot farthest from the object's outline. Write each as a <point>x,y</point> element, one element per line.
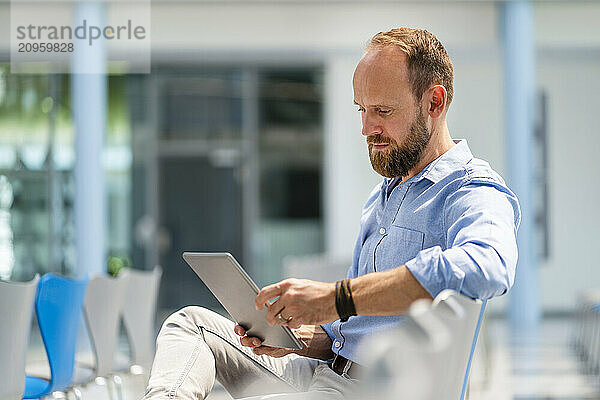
<point>585,341</point>
<point>405,362</point>
<point>432,350</point>
<point>102,309</point>
<point>463,317</point>
<point>58,308</point>
<point>16,309</point>
<point>139,311</point>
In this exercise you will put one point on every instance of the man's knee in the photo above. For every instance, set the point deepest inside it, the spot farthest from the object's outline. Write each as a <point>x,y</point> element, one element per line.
<point>192,317</point>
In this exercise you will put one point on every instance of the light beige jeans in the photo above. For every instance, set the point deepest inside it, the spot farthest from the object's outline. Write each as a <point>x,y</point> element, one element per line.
<point>195,346</point>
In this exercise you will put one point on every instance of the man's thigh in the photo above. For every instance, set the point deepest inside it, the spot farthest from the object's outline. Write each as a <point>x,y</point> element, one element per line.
<point>237,368</point>
<point>325,385</point>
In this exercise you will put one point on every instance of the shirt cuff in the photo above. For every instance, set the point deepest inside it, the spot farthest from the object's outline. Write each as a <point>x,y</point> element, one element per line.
<point>327,328</point>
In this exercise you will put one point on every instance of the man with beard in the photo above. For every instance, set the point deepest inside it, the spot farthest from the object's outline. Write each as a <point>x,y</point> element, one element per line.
<point>441,219</point>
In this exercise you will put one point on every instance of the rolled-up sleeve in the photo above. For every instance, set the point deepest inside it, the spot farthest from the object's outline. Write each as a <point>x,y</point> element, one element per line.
<point>481,220</point>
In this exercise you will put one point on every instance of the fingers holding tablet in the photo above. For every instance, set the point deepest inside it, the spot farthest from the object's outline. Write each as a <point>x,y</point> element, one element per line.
<point>274,312</point>
<point>256,345</point>
<point>282,319</point>
<point>236,291</point>
<point>239,330</point>
<point>247,341</point>
<point>267,293</point>
<point>277,314</point>
<point>288,321</point>
<point>308,302</point>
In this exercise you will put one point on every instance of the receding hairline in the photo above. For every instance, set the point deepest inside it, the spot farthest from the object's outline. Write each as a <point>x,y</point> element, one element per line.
<point>427,60</point>
<point>384,51</point>
<point>383,54</point>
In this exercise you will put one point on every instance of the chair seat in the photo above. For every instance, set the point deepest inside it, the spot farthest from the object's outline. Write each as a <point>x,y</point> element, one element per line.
<point>35,387</point>
<point>82,375</point>
<point>39,369</point>
<point>87,360</point>
<point>122,362</point>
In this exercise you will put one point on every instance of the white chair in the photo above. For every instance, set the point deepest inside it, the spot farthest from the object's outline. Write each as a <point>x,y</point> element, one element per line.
<point>579,326</point>
<point>587,336</point>
<point>102,310</point>
<point>433,361</point>
<point>16,310</point>
<point>593,345</point>
<point>463,318</point>
<point>139,311</point>
<point>479,378</point>
<point>404,363</point>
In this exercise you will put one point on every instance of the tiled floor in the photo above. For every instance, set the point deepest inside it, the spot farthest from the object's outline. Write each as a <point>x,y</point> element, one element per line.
<point>536,367</point>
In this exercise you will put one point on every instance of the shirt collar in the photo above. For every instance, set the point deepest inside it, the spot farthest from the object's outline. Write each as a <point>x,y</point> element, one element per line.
<point>453,159</point>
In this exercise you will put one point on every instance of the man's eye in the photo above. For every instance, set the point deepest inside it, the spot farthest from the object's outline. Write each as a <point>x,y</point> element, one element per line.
<point>384,112</point>
<point>360,109</point>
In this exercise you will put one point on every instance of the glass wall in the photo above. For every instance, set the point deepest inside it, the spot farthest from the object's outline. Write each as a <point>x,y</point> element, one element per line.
<point>225,159</point>
<point>196,158</point>
<point>291,157</point>
<point>36,175</point>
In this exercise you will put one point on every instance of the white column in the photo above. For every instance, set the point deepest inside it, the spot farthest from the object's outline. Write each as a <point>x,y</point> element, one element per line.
<point>519,82</point>
<point>348,176</point>
<point>88,105</point>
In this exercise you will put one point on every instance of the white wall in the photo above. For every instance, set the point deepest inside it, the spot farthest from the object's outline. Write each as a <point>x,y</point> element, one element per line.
<point>571,82</point>
<point>314,26</point>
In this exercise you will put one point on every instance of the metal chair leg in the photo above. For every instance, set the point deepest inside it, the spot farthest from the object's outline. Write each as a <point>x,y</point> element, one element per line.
<point>101,381</point>
<point>77,393</point>
<point>59,395</point>
<point>118,386</point>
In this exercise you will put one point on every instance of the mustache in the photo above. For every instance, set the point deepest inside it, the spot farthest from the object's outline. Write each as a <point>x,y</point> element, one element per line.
<point>378,139</point>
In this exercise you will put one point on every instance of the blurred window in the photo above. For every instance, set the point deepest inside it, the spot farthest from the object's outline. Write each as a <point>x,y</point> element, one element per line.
<point>225,159</point>
<point>36,172</point>
<point>205,105</point>
<point>290,160</point>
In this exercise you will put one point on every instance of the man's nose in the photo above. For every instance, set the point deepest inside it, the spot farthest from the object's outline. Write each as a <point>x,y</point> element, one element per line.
<point>371,126</point>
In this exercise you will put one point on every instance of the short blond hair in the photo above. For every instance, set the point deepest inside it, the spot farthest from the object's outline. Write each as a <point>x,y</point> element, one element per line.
<point>428,62</point>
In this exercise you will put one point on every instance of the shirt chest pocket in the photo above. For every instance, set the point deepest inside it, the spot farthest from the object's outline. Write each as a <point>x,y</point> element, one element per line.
<point>396,247</point>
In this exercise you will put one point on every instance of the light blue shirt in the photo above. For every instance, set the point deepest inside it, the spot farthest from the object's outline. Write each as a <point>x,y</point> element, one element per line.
<point>453,225</point>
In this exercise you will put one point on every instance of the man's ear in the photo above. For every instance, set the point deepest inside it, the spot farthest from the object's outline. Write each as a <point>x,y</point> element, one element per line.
<point>437,100</point>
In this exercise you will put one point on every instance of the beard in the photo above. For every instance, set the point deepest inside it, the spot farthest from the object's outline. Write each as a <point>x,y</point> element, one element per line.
<point>397,160</point>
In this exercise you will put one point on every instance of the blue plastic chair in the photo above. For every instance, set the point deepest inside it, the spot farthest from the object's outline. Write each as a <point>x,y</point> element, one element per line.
<point>58,307</point>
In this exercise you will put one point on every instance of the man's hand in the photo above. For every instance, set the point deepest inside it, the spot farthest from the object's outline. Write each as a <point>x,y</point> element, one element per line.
<point>317,343</point>
<point>300,302</point>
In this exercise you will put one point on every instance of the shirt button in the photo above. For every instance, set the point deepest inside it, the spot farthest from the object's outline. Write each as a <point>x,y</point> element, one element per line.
<point>382,231</point>
<point>337,344</point>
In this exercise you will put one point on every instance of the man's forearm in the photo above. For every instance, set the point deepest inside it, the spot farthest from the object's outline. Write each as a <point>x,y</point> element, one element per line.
<point>386,293</point>
<point>310,302</point>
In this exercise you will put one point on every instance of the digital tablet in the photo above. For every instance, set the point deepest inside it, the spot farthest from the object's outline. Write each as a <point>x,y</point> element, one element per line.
<point>236,291</point>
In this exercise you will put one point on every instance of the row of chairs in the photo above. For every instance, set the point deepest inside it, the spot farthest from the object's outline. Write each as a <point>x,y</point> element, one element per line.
<point>586,339</point>
<point>59,303</point>
<point>429,356</point>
